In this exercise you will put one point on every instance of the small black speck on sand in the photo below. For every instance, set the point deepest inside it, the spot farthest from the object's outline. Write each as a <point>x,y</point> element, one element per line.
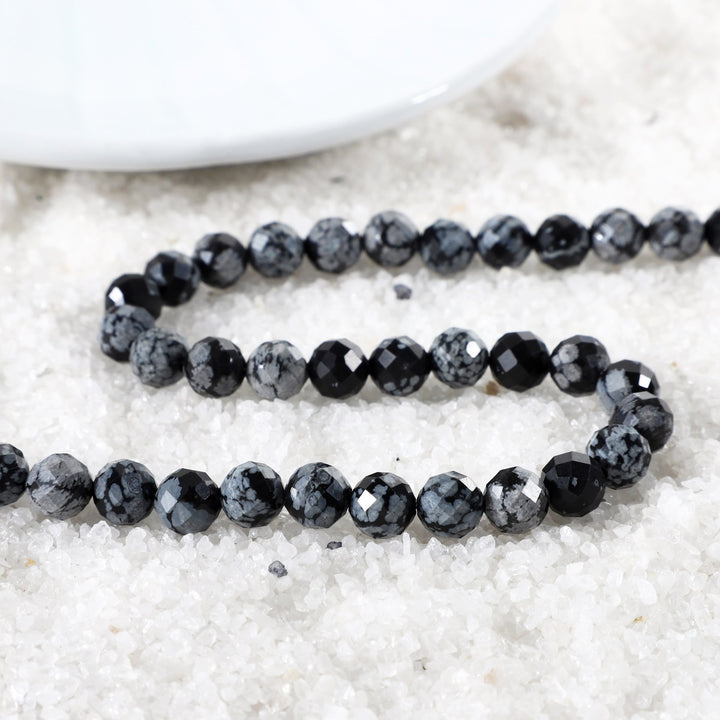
<point>402,292</point>
<point>334,545</point>
<point>277,568</point>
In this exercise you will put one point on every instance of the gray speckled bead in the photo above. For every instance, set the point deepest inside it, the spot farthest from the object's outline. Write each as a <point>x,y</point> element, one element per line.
<point>675,234</point>
<point>648,414</point>
<point>504,241</point>
<point>275,250</point>
<point>515,500</point>
<point>215,367</point>
<point>622,378</point>
<point>252,494</point>
<point>382,505</point>
<point>577,363</point>
<point>158,357</point>
<point>221,259</point>
<point>622,452</point>
<point>276,369</point>
<point>617,235</point>
<point>317,495</point>
<point>459,357</point>
<point>60,486</point>
<point>124,492</point>
<point>333,245</point>
<point>13,474</point>
<point>447,507</point>
<point>562,242</point>
<point>446,247</point>
<point>120,327</point>
<point>390,238</point>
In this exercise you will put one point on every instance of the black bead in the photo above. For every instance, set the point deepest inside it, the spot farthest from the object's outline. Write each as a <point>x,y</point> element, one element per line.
<point>622,378</point>
<point>399,366</point>
<point>712,231</point>
<point>215,367</point>
<point>338,368</point>
<point>14,471</point>
<point>187,501</point>
<point>519,361</point>
<point>446,247</point>
<point>221,259</point>
<point>648,414</point>
<point>176,276</point>
<point>575,484</point>
<point>577,364</point>
<point>134,289</point>
<point>562,242</point>
<point>504,241</point>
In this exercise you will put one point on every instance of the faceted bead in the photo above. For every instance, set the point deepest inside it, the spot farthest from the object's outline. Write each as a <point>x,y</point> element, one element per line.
<point>158,357</point>
<point>504,241</point>
<point>333,245</point>
<point>120,327</point>
<point>338,368</point>
<point>577,364</point>
<point>617,235</point>
<point>176,276</point>
<point>675,234</point>
<point>648,414</point>
<point>458,357</point>
<point>712,231</point>
<point>622,378</point>
<point>13,474</point>
<point>187,501</point>
<point>575,484</point>
<point>221,259</point>
<point>390,238</point>
<point>399,366</point>
<point>447,507</point>
<point>275,250</point>
<point>276,369</point>
<point>215,367</point>
<point>446,247</point>
<point>519,361</point>
<point>515,500</point>
<point>317,495</point>
<point>562,242</point>
<point>622,453</point>
<point>60,486</point>
<point>124,492</point>
<point>252,494</point>
<point>382,505</point>
<point>134,289</point>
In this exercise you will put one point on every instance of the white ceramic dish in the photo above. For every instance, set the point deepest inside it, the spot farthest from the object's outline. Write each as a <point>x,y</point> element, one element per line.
<point>163,84</point>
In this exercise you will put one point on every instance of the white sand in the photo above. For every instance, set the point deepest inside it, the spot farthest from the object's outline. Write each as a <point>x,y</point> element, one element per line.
<point>616,615</point>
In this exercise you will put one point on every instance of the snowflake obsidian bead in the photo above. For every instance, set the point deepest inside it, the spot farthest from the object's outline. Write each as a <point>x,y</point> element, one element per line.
<point>252,494</point>
<point>276,369</point>
<point>399,366</point>
<point>220,258</point>
<point>574,483</point>
<point>390,238</point>
<point>562,242</point>
<point>382,505</point>
<point>338,369</point>
<point>675,234</point>
<point>617,235</point>
<point>120,327</point>
<point>275,250</point>
<point>158,357</point>
<point>459,357</point>
<point>317,495</point>
<point>515,500</point>
<point>446,247</point>
<point>187,501</point>
<point>504,241</point>
<point>333,245</point>
<point>60,486</point>
<point>124,492</point>
<point>577,363</point>
<point>622,453</point>
<point>447,507</point>
<point>622,378</point>
<point>215,367</point>
<point>13,473</point>
<point>648,414</point>
<point>134,289</point>
<point>176,276</point>
<point>519,361</point>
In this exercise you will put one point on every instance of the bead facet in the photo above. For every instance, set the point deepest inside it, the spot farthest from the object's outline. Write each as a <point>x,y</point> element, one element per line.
<point>390,238</point>
<point>562,242</point>
<point>447,507</point>
<point>120,327</point>
<point>158,357</point>
<point>446,247</point>
<point>519,361</point>
<point>382,505</point>
<point>617,235</point>
<point>275,250</point>
<point>215,367</point>
<point>338,369</point>
<point>504,241</point>
<point>13,474</point>
<point>176,276</point>
<point>276,369</point>
<point>575,484</point>
<point>577,363</point>
<point>317,495</point>
<point>622,378</point>
<point>515,500</point>
<point>134,289</point>
<point>622,453</point>
<point>252,494</point>
<point>333,245</point>
<point>60,486</point>
<point>187,501</point>
<point>648,414</point>
<point>221,259</point>
<point>399,366</point>
<point>458,357</point>
<point>675,234</point>
<point>124,492</point>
